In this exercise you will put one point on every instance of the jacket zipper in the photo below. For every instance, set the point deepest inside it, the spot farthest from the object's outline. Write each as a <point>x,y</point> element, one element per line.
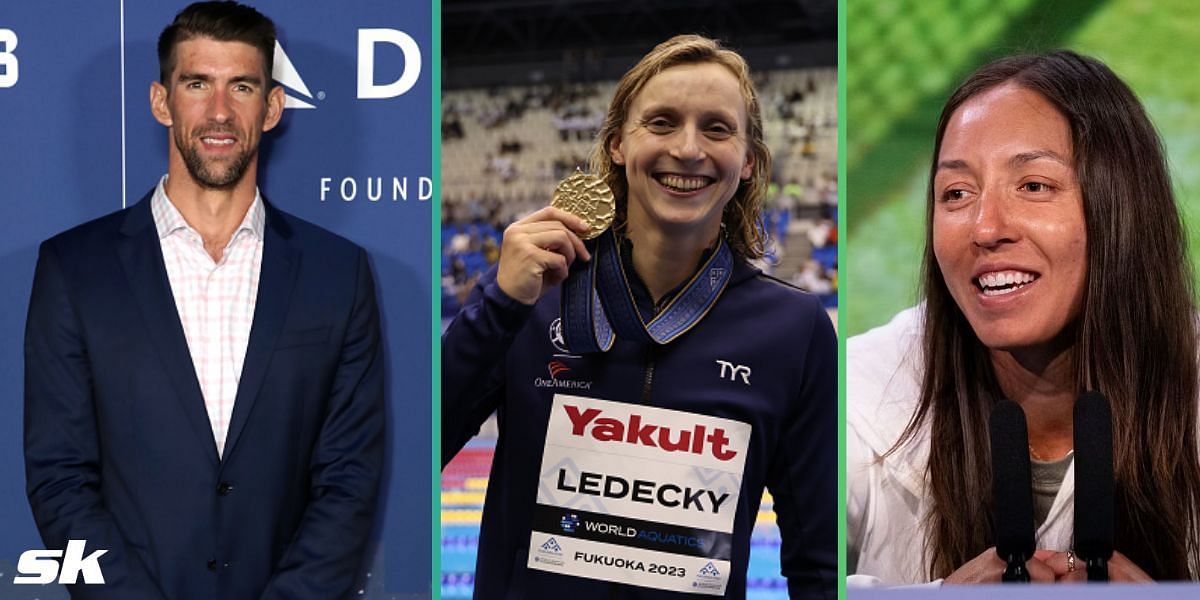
<point>648,378</point>
<point>651,356</point>
<point>647,385</point>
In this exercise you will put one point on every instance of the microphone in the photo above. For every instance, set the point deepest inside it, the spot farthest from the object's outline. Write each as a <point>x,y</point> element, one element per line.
<point>1012,489</point>
<point>1094,521</point>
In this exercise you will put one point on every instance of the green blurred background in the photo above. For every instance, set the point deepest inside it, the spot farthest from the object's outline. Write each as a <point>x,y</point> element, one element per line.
<point>905,57</point>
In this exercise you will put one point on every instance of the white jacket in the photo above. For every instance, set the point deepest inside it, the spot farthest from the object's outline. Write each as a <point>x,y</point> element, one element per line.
<point>885,496</point>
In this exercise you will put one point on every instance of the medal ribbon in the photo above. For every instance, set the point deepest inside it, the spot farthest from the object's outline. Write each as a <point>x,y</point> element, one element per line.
<point>598,306</point>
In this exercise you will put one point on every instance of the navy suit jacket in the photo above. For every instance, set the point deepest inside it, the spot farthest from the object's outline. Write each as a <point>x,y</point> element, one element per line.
<point>118,446</point>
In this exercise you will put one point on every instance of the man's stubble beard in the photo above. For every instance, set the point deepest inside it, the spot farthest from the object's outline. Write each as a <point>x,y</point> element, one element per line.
<point>198,168</point>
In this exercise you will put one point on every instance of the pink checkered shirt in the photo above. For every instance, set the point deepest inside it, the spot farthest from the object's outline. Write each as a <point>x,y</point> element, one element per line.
<point>215,300</point>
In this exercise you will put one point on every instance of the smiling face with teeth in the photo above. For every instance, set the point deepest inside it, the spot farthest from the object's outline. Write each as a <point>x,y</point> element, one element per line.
<point>1008,225</point>
<point>684,149</point>
<point>217,107</point>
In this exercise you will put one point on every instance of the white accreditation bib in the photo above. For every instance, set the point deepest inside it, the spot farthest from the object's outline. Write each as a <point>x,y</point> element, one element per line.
<point>638,495</point>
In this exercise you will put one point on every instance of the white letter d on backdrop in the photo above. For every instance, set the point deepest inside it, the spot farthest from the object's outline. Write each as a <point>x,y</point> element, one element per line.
<point>367,39</point>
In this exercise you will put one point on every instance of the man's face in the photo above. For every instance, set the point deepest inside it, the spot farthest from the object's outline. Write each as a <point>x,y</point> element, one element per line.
<point>217,105</point>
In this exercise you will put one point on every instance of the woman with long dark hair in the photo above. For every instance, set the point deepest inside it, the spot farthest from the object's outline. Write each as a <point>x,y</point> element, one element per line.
<point>1055,263</point>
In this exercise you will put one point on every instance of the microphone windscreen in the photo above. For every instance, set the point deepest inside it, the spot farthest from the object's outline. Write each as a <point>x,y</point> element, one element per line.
<point>1094,521</point>
<point>1011,482</point>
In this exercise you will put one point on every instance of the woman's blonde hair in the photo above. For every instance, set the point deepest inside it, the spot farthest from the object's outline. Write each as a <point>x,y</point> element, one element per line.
<point>743,212</point>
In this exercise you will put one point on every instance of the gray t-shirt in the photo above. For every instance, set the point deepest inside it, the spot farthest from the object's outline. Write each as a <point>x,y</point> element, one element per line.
<point>1047,477</point>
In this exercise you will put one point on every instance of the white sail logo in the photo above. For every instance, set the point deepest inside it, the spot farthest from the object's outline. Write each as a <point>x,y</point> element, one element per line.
<point>285,73</point>
<point>368,88</point>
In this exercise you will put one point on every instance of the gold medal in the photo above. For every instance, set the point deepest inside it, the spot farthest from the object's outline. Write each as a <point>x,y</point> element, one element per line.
<point>589,198</point>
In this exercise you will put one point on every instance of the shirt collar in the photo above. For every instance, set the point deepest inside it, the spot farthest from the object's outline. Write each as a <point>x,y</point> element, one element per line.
<point>641,294</point>
<point>168,220</point>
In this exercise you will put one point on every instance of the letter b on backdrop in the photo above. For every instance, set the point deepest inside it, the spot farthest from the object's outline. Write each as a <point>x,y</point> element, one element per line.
<point>8,60</point>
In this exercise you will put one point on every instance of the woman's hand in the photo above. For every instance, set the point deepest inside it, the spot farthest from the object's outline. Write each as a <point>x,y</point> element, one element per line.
<point>1120,569</point>
<point>537,253</point>
<point>988,567</point>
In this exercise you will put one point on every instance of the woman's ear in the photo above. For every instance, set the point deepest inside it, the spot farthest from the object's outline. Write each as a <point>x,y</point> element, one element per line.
<point>614,150</point>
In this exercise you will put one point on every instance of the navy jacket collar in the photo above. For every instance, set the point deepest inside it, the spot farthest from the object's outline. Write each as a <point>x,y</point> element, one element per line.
<point>141,259</point>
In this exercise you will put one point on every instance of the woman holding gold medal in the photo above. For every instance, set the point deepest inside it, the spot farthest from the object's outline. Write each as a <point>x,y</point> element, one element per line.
<point>649,382</point>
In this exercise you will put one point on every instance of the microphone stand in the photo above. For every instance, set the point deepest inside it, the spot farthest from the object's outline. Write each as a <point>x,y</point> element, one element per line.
<point>1094,516</point>
<point>1097,569</point>
<point>1012,499</point>
<point>1016,571</point>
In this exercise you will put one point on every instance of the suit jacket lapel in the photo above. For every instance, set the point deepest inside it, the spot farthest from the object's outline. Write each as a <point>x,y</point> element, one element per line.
<point>141,258</point>
<point>275,282</point>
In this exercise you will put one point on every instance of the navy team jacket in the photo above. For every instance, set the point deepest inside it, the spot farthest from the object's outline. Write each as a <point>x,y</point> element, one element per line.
<point>496,356</point>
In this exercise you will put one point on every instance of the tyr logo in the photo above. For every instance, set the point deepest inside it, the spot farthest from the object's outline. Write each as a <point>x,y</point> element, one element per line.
<point>731,371</point>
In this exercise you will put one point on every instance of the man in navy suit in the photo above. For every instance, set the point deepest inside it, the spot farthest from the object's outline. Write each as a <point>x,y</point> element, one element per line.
<point>203,373</point>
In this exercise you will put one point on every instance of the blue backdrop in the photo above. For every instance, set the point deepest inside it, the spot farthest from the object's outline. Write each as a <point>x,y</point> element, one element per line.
<point>352,155</point>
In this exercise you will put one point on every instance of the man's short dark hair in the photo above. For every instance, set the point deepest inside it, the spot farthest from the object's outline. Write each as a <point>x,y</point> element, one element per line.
<point>221,21</point>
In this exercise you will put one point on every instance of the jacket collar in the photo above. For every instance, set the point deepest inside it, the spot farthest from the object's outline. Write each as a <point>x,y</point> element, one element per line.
<point>141,259</point>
